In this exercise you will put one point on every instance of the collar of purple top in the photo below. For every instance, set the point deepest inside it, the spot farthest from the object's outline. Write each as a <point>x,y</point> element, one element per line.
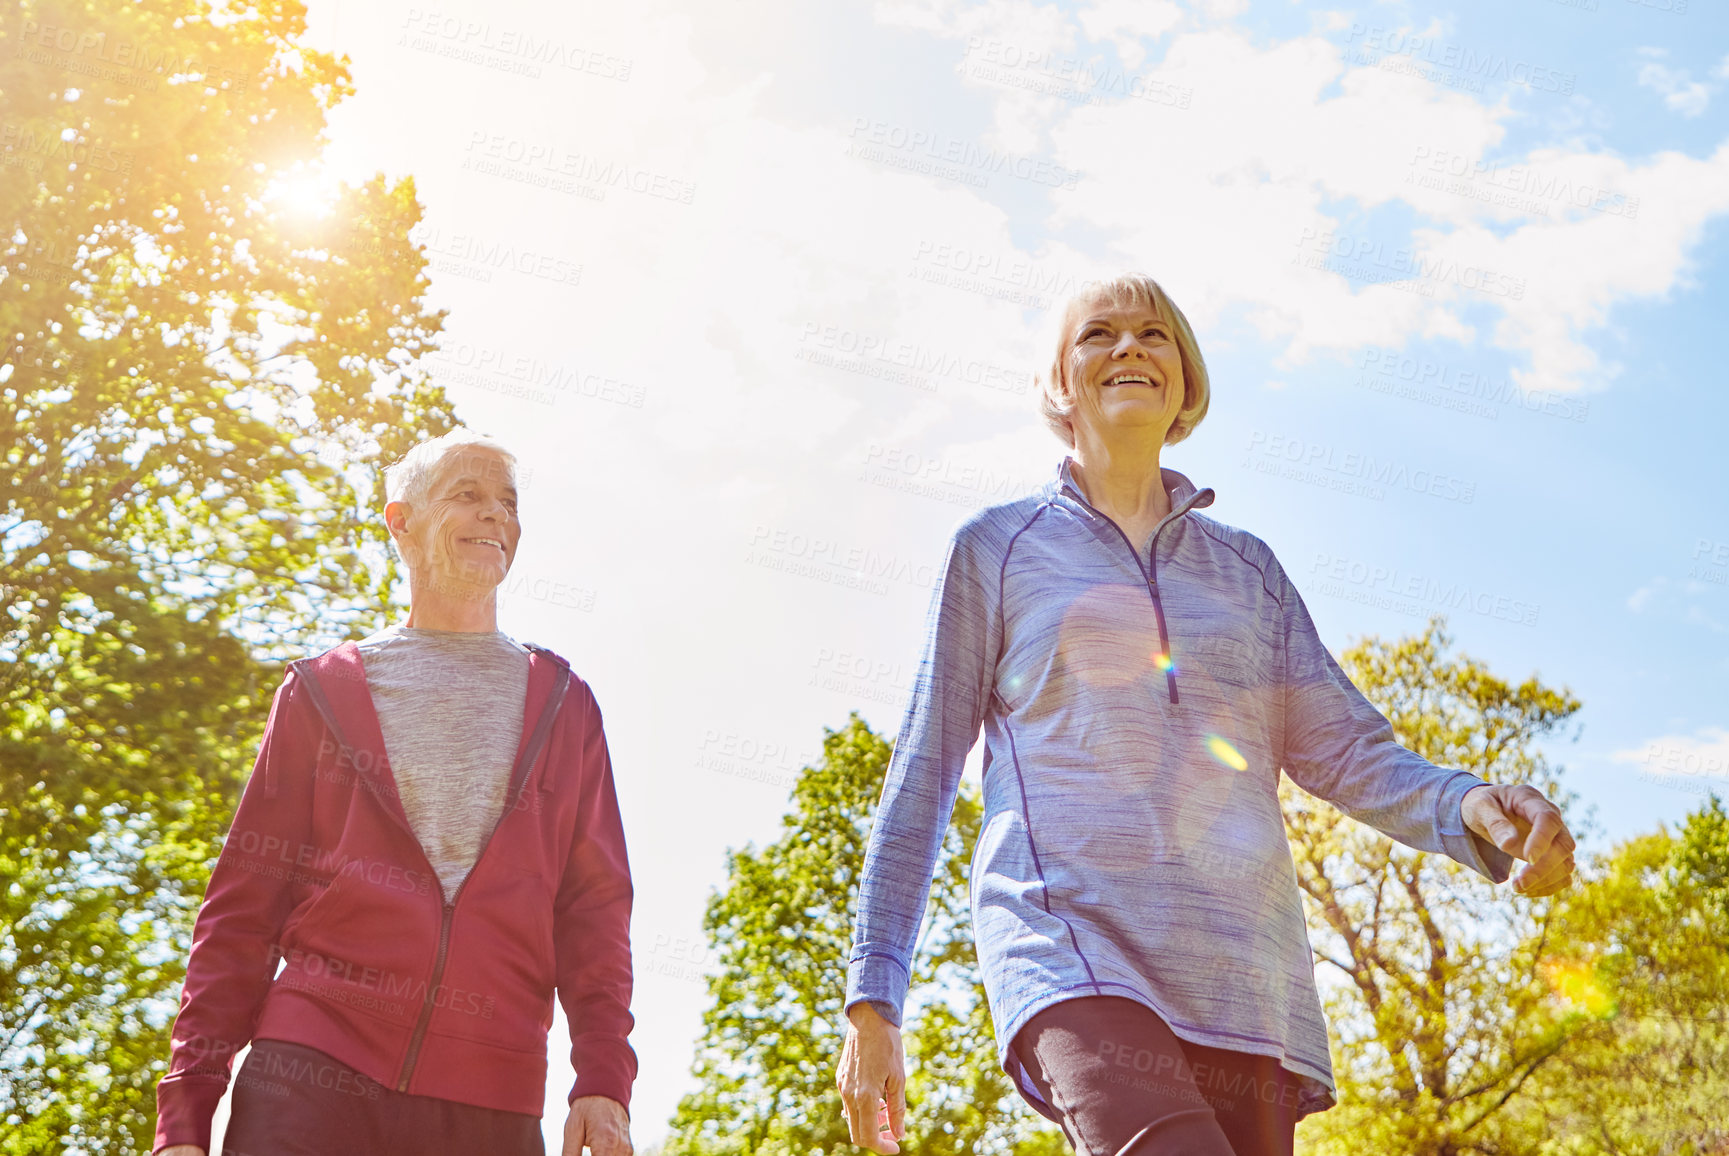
<point>1183,494</point>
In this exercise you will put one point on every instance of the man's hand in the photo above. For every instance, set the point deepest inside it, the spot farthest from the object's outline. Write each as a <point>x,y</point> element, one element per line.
<point>1521,822</point>
<point>598,1123</point>
<point>872,1078</point>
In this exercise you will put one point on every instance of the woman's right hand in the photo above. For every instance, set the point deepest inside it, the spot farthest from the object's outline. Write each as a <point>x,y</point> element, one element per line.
<point>872,1078</point>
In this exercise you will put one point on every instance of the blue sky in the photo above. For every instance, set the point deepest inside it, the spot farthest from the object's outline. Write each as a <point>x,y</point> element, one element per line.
<point>755,291</point>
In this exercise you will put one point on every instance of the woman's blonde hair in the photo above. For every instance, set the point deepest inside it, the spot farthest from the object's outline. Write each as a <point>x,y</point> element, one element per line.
<point>1058,407</point>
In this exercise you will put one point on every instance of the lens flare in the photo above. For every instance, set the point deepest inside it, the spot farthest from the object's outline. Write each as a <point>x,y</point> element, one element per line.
<point>1576,986</point>
<point>1226,753</point>
<point>1162,661</point>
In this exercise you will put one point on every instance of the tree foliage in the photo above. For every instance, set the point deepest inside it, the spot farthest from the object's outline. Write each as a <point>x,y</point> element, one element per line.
<point>197,379</point>
<point>1647,975</point>
<point>781,932</point>
<point>1434,983</point>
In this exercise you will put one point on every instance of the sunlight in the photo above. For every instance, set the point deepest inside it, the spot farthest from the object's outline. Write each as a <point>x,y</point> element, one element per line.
<point>1576,985</point>
<point>303,193</point>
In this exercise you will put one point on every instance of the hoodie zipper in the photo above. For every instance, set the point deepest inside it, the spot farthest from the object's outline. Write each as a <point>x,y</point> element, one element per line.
<point>438,960</point>
<point>519,783</point>
<point>1151,577</point>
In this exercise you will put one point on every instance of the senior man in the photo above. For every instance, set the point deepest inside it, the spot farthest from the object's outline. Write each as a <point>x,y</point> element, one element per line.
<point>428,846</point>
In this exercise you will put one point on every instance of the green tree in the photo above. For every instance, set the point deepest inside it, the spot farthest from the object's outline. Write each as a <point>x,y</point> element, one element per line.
<point>198,381</point>
<point>781,931</point>
<point>1643,939</point>
<point>1438,988</point>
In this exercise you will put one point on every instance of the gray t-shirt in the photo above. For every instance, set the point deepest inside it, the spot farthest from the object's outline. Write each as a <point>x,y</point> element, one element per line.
<point>450,706</point>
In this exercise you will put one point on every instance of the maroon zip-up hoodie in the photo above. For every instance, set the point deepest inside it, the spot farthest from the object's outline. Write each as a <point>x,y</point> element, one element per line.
<point>322,870</point>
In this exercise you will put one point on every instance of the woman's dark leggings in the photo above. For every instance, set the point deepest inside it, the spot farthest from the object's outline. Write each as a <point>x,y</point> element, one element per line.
<point>1122,1084</point>
<point>292,1100</point>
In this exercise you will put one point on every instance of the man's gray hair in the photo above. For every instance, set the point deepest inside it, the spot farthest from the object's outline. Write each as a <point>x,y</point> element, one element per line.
<point>410,479</point>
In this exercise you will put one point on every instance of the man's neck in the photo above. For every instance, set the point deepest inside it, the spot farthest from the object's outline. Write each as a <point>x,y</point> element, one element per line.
<point>442,610</point>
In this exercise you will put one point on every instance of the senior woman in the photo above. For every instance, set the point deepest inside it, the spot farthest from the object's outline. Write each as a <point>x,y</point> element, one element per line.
<point>1142,674</point>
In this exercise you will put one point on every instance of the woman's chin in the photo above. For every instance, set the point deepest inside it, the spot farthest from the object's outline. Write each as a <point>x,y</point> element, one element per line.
<point>1135,420</point>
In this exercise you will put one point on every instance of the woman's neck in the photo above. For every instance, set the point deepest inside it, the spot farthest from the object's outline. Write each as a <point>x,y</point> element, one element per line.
<point>1122,480</point>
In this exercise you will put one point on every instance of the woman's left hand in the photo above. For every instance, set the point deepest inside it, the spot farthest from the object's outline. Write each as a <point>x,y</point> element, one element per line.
<point>1524,824</point>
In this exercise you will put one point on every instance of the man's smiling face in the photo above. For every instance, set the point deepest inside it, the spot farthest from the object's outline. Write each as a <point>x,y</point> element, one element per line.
<point>465,539</point>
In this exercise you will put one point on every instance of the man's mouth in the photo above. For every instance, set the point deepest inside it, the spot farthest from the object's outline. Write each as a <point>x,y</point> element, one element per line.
<point>487,542</point>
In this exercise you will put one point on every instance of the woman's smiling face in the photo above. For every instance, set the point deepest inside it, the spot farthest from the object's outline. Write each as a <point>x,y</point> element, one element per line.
<point>1123,369</point>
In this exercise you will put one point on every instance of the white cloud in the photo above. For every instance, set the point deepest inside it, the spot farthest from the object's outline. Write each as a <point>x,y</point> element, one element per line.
<point>1221,198</point>
<point>1128,23</point>
<point>1704,753</point>
<point>1677,600</point>
<point>1680,92</point>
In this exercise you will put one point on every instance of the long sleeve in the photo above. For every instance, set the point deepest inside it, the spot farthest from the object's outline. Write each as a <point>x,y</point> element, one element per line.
<point>1338,747</point>
<point>942,722</point>
<point>250,895</point>
<point>591,929</point>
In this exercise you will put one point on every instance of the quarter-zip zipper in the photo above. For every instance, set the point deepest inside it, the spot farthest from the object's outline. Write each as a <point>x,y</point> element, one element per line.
<point>1152,580</point>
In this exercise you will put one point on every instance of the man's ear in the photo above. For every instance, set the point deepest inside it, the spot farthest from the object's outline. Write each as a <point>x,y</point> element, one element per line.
<point>396,518</point>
